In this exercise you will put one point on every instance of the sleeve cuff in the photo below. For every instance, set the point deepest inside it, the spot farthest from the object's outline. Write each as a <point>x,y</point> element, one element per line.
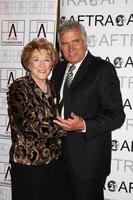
<point>84,130</point>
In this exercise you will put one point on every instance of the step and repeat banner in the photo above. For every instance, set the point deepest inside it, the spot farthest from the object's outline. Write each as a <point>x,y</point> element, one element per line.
<point>20,22</point>
<point>109,24</point>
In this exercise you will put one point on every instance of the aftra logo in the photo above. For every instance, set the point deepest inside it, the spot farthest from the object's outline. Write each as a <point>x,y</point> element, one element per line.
<point>13,33</point>
<point>11,78</point>
<point>102,20</point>
<point>95,3</point>
<point>120,20</point>
<point>42,28</point>
<point>123,186</point>
<point>118,62</point>
<point>8,173</point>
<point>115,145</point>
<point>124,146</point>
<point>112,186</point>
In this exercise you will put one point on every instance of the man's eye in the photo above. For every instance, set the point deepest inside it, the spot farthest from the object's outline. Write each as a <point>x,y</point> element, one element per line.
<point>64,44</point>
<point>76,41</point>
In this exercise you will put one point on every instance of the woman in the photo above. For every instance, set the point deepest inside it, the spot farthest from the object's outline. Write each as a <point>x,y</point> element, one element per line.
<point>35,154</point>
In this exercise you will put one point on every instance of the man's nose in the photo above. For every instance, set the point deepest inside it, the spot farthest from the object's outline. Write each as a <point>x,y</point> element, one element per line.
<point>71,46</point>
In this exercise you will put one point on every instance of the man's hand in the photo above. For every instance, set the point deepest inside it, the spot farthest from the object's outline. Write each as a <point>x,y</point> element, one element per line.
<point>74,123</point>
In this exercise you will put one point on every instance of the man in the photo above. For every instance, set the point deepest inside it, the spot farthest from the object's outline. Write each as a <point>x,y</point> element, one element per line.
<point>92,108</point>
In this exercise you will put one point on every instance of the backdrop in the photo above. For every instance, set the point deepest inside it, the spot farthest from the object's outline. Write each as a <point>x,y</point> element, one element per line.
<point>109,24</point>
<point>20,22</point>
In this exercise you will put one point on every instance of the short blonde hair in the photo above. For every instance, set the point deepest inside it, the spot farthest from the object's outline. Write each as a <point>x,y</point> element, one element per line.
<point>39,44</point>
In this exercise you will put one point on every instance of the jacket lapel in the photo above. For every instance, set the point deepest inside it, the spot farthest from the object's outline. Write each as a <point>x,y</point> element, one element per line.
<point>83,70</point>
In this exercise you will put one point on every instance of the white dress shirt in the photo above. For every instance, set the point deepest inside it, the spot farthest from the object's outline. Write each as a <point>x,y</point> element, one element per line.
<point>62,86</point>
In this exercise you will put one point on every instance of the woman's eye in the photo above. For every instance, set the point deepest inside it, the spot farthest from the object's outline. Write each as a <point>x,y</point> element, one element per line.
<point>47,60</point>
<point>35,59</point>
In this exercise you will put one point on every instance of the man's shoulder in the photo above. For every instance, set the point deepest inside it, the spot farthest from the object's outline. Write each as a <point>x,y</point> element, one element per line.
<point>101,62</point>
<point>60,66</point>
<point>61,62</point>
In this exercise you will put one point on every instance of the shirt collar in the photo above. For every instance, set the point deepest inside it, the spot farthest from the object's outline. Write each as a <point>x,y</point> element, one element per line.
<point>79,63</point>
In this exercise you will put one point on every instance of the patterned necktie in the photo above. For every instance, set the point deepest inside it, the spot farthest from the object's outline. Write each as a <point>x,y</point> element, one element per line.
<point>68,81</point>
<point>69,78</point>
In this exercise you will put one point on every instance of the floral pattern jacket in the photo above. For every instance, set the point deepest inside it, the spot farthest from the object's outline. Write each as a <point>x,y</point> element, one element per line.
<point>35,138</point>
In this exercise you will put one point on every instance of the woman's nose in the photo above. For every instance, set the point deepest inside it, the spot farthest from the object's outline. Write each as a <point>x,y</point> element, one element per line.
<point>42,63</point>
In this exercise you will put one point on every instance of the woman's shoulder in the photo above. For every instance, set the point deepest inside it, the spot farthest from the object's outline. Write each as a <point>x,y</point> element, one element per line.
<point>18,83</point>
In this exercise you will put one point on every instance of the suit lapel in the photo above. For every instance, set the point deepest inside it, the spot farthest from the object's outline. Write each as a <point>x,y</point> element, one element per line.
<point>82,71</point>
<point>60,73</point>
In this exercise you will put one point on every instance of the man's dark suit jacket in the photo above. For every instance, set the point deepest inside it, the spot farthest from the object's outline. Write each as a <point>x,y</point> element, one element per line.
<point>94,95</point>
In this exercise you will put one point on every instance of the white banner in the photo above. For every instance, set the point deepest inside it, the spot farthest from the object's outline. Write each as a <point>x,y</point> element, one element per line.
<point>109,24</point>
<point>20,22</point>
